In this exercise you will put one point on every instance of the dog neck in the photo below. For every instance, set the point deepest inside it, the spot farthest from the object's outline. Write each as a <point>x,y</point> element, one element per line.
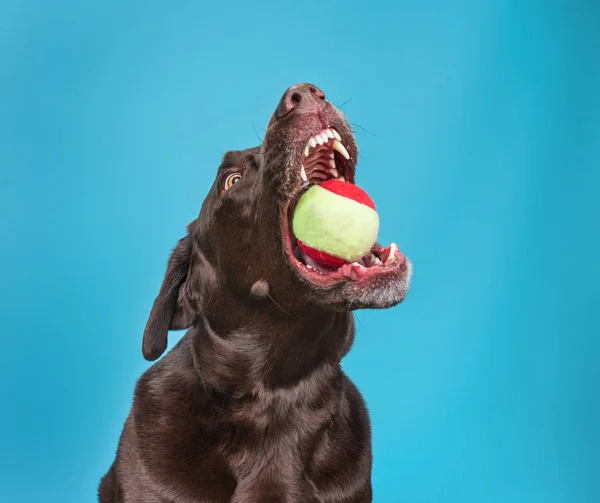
<point>243,345</point>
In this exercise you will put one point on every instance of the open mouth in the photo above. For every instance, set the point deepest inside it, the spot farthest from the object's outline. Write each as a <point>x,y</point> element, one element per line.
<point>325,158</point>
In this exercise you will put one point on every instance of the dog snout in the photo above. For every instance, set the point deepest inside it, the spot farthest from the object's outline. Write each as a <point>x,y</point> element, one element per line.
<point>300,97</point>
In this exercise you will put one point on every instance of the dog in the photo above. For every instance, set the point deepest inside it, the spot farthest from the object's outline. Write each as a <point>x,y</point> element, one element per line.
<point>251,405</point>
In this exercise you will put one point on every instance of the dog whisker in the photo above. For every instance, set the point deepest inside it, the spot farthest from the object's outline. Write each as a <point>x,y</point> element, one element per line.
<point>275,302</point>
<point>257,135</point>
<point>363,129</point>
<point>345,103</point>
<point>209,299</point>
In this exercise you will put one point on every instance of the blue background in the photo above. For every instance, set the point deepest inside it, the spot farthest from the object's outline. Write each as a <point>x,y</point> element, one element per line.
<point>481,148</point>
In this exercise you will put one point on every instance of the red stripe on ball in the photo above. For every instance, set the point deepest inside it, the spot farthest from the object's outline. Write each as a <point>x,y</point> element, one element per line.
<point>322,257</point>
<point>348,190</point>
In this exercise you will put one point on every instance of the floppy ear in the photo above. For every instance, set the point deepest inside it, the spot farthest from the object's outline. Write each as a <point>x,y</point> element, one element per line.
<point>170,310</point>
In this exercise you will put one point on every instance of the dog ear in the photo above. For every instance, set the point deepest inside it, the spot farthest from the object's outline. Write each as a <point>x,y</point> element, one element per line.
<point>171,310</point>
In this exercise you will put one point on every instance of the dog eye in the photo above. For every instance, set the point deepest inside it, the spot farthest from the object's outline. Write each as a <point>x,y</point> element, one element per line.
<point>232,179</point>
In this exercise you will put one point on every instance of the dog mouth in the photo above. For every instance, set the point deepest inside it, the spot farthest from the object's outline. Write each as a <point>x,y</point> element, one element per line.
<point>326,158</point>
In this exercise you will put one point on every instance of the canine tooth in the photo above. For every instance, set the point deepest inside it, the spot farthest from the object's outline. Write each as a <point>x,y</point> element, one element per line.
<point>312,142</point>
<point>340,148</point>
<point>303,174</point>
<point>306,151</point>
<point>336,135</point>
<point>392,255</point>
<point>329,133</point>
<point>334,172</point>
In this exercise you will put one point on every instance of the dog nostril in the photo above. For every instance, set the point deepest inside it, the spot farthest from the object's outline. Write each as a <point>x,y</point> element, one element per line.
<point>296,98</point>
<point>315,91</point>
<point>300,96</point>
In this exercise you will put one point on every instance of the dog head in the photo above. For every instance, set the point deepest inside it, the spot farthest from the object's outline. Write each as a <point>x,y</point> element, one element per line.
<point>241,248</point>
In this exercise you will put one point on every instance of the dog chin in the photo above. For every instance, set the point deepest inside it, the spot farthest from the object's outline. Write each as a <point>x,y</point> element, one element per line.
<point>384,293</point>
<point>377,292</point>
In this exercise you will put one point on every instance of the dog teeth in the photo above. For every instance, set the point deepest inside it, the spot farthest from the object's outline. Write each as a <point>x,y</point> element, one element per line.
<point>340,148</point>
<point>331,163</point>
<point>334,172</point>
<point>323,137</point>
<point>375,260</point>
<point>303,174</point>
<point>308,266</point>
<point>392,256</point>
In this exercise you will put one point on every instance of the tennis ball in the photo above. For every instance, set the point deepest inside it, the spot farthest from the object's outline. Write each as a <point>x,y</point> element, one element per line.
<point>335,223</point>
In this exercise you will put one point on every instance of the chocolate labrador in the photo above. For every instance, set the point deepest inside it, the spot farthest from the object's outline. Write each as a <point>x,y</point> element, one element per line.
<point>251,406</point>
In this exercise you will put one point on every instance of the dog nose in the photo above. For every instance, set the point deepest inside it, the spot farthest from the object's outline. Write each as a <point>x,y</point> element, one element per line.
<point>299,97</point>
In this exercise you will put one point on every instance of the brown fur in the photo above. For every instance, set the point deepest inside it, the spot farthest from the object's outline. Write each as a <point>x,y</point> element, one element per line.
<point>251,405</point>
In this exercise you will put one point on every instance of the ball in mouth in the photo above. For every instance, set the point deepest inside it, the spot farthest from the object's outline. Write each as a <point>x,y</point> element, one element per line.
<point>325,158</point>
<point>335,223</point>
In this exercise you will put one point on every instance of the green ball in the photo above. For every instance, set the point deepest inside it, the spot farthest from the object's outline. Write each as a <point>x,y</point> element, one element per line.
<point>335,223</point>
